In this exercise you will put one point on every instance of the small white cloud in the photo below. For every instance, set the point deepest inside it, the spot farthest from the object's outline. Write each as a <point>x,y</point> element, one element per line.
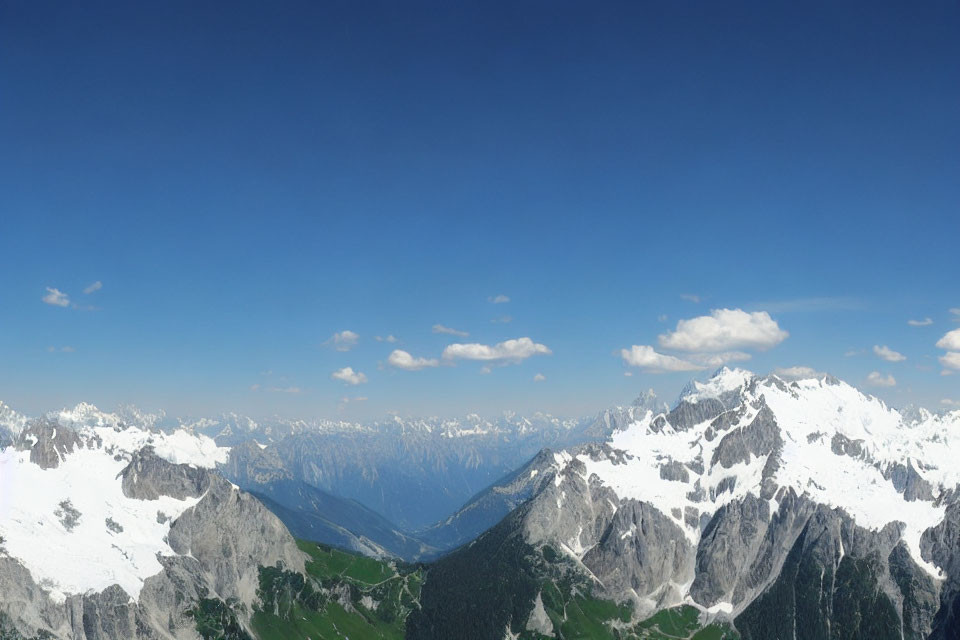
<point>689,297</point>
<point>888,354</point>
<point>403,360</point>
<point>508,351</point>
<point>877,379</point>
<point>849,353</point>
<point>349,376</point>
<point>950,341</point>
<point>946,372</point>
<point>926,322</point>
<point>285,389</point>
<point>343,340</point>
<point>67,349</point>
<point>662,317</point>
<point>647,359</point>
<point>955,312</point>
<point>499,299</point>
<point>96,286</point>
<point>798,373</point>
<point>724,330</point>
<point>951,360</point>
<point>390,338</point>
<point>56,297</point>
<point>439,328</point>
<point>628,374</point>
<point>947,402</point>
<point>502,320</point>
<point>255,387</point>
<point>539,377</point>
<point>345,400</point>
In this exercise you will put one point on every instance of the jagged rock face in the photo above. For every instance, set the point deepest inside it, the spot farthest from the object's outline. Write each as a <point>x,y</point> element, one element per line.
<point>231,534</point>
<point>47,442</point>
<point>149,476</point>
<point>644,552</point>
<point>941,545</point>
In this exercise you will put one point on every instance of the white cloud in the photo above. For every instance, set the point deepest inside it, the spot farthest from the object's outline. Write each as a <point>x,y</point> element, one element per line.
<point>343,340</point>
<point>403,360</point>
<point>390,338</point>
<point>255,387</point>
<point>498,299</point>
<point>950,341</point>
<point>877,379</point>
<point>955,312</point>
<point>926,322</point>
<point>285,389</point>
<point>798,373</point>
<point>502,320</point>
<point>539,377</point>
<point>65,349</point>
<point>348,375</point>
<point>689,297</point>
<point>888,354</point>
<point>724,330</point>
<point>650,361</point>
<point>508,351</point>
<point>439,328</point>
<point>947,402</point>
<point>662,317</point>
<point>628,374</point>
<point>56,297</point>
<point>96,286</point>
<point>951,360</point>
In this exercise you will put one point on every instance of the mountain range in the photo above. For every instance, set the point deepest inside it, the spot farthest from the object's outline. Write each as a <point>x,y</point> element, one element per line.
<point>757,507</point>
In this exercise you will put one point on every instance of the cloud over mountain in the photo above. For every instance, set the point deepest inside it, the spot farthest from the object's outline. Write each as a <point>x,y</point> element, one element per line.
<point>725,330</point>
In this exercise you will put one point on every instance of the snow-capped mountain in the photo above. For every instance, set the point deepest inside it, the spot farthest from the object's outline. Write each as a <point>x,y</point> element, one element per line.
<point>11,424</point>
<point>110,531</point>
<point>775,505</point>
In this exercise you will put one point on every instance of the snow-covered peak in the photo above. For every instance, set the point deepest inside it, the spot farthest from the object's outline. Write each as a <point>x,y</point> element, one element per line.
<point>818,437</point>
<point>11,421</point>
<point>722,382</point>
<point>85,414</point>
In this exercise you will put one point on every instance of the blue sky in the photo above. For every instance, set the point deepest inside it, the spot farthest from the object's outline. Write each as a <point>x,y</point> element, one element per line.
<point>246,183</point>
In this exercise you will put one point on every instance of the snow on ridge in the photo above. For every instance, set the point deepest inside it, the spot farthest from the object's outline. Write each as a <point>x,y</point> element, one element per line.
<point>809,414</point>
<point>724,380</point>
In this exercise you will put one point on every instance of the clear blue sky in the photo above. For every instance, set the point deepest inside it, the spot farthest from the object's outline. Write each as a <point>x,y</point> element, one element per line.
<point>247,179</point>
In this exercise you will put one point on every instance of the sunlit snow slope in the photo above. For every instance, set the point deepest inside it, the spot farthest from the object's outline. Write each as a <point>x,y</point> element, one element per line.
<point>821,437</point>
